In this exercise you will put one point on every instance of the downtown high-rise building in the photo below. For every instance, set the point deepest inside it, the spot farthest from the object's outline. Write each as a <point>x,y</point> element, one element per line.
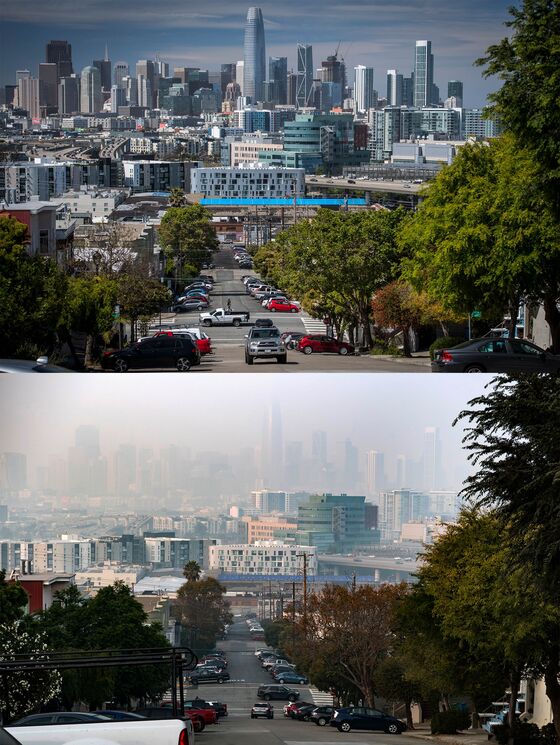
<point>272,453</point>
<point>423,74</point>
<point>59,52</point>
<point>90,90</point>
<point>375,472</point>
<point>333,76</point>
<point>278,72</point>
<point>104,67</point>
<point>254,69</point>
<point>48,91</point>
<point>240,74</point>
<point>364,92</point>
<point>431,460</point>
<point>147,77</point>
<point>120,72</point>
<point>69,95</point>
<point>305,74</point>
<point>394,88</point>
<point>455,90</point>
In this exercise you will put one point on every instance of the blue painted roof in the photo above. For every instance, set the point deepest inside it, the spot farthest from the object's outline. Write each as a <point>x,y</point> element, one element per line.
<point>300,202</point>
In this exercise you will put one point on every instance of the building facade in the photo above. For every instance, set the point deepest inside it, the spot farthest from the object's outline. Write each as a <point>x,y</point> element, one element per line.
<point>254,68</point>
<point>263,558</point>
<point>248,182</point>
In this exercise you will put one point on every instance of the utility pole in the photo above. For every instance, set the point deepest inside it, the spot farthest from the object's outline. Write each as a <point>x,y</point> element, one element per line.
<point>293,615</point>
<point>304,556</point>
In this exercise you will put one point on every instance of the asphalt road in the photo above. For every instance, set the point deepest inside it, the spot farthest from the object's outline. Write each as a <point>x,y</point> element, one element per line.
<point>228,341</point>
<point>240,694</point>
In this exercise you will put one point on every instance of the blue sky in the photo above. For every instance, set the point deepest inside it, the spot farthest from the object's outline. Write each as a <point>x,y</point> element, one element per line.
<point>377,33</point>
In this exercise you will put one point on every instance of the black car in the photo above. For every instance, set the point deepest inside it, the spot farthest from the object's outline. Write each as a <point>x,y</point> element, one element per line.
<point>303,713</point>
<point>264,323</point>
<point>209,675</point>
<point>60,717</point>
<point>119,716</point>
<point>364,718</point>
<point>221,709</point>
<point>321,715</point>
<point>279,692</point>
<point>158,351</point>
<point>495,356</point>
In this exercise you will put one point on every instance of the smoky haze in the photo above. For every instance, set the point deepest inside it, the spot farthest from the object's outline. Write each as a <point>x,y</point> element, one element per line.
<point>158,441</point>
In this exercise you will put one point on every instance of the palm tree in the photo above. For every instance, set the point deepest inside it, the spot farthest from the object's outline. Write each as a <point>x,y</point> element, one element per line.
<point>177,198</point>
<point>191,571</point>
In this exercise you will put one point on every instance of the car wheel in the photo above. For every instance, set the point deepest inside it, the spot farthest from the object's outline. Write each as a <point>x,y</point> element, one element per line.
<point>392,729</point>
<point>236,322</point>
<point>252,716</point>
<point>343,350</point>
<point>121,366</point>
<point>474,369</point>
<point>206,322</point>
<point>321,722</point>
<point>281,681</point>
<point>292,698</point>
<point>201,724</point>
<point>271,716</point>
<point>293,310</point>
<point>307,350</point>
<point>272,310</point>
<point>220,680</point>
<point>183,364</point>
<point>344,727</point>
<point>267,697</point>
<point>282,359</point>
<point>249,360</point>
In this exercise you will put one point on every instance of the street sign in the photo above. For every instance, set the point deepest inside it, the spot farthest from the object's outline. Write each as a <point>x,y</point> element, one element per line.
<point>476,314</point>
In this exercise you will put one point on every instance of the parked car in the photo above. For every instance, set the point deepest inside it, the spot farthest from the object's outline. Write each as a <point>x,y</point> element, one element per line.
<point>292,338</point>
<point>279,692</point>
<point>282,306</point>
<point>286,676</point>
<point>119,716</point>
<point>60,717</point>
<point>40,365</point>
<point>209,675</point>
<point>221,709</point>
<point>321,715</point>
<point>272,661</point>
<point>202,708</point>
<point>495,356</point>
<point>303,713</point>
<point>264,343</point>
<point>221,317</point>
<point>363,718</point>
<point>262,710</point>
<point>189,305</point>
<point>202,340</point>
<point>293,706</point>
<point>321,343</point>
<point>166,712</point>
<point>161,351</point>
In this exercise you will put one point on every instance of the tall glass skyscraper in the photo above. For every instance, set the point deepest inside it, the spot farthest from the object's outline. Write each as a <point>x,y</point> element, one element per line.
<point>305,74</point>
<point>364,94</point>
<point>254,70</point>
<point>423,74</point>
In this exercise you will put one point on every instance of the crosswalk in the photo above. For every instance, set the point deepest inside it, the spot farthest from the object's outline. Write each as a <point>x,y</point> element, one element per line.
<point>313,325</point>
<point>321,698</point>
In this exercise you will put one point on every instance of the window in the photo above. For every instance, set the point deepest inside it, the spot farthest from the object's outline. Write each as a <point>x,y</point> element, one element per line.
<point>523,347</point>
<point>43,241</point>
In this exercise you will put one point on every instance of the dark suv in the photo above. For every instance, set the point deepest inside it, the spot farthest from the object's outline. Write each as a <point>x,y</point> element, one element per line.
<point>158,351</point>
<point>281,693</point>
<point>361,717</point>
<point>209,675</point>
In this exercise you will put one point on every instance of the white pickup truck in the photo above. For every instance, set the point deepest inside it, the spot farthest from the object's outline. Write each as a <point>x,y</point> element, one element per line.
<point>149,732</point>
<point>221,317</point>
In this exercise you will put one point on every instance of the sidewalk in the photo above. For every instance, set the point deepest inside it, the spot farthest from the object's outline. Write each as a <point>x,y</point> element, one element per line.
<point>467,737</point>
<point>418,359</point>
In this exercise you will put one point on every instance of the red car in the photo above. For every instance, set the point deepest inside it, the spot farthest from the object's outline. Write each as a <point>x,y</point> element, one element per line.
<point>204,343</point>
<point>283,306</point>
<point>203,710</point>
<point>322,343</point>
<point>290,709</point>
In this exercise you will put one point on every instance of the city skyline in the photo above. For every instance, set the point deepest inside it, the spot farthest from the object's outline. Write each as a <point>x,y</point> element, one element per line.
<point>380,37</point>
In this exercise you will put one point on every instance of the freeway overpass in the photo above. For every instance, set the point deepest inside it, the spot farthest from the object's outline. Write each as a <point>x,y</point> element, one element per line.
<point>380,568</point>
<point>319,183</point>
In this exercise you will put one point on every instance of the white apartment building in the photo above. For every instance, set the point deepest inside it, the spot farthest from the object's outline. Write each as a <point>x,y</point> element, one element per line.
<point>263,557</point>
<point>97,204</point>
<point>147,146</point>
<point>106,574</point>
<point>248,181</point>
<point>156,175</point>
<point>65,557</point>
<point>248,152</point>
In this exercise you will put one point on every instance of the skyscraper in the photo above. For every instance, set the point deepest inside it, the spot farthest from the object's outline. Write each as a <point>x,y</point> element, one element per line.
<point>120,71</point>
<point>305,74</point>
<point>90,96</point>
<point>272,455</point>
<point>455,89</point>
<point>423,74</point>
<point>69,95</point>
<point>104,67</point>
<point>28,96</point>
<point>431,460</point>
<point>240,74</point>
<point>60,54</point>
<point>394,88</point>
<point>254,71</point>
<point>375,472</point>
<point>48,81</point>
<point>278,71</point>
<point>364,93</point>
<point>333,73</point>
<point>145,68</point>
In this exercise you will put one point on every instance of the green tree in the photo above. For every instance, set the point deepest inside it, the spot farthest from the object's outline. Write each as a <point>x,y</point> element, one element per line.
<point>13,600</point>
<point>203,611</point>
<point>335,263</point>
<point>485,236</point>
<point>140,297</point>
<point>527,63</point>
<point>188,238</point>
<point>513,440</point>
<point>177,198</point>
<point>391,683</point>
<point>191,571</point>
<point>398,306</point>
<point>32,291</point>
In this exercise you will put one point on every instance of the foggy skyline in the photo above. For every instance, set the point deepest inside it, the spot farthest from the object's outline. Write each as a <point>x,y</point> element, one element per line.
<point>227,415</point>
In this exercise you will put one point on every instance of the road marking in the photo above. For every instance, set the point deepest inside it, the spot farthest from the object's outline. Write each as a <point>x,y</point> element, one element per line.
<point>321,698</point>
<point>313,325</point>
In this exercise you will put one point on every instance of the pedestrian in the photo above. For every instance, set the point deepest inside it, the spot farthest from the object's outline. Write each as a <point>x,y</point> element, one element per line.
<point>228,305</point>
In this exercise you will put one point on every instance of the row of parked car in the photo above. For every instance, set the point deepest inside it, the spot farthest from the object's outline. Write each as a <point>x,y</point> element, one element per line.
<point>195,296</point>
<point>212,668</point>
<point>271,298</point>
<point>345,719</point>
<point>242,256</point>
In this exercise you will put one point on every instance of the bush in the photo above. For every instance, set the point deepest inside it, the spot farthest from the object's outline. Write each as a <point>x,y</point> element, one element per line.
<point>380,346</point>
<point>448,722</point>
<point>443,342</point>
<point>522,733</point>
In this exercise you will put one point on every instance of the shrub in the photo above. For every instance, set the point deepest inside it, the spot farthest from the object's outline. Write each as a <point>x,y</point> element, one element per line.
<point>443,342</point>
<point>522,733</point>
<point>448,722</point>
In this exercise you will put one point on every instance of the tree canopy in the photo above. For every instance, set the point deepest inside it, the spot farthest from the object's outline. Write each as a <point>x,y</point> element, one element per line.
<point>188,239</point>
<point>203,611</point>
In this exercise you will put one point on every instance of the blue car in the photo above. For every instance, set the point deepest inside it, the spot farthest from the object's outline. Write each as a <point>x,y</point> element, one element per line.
<point>364,718</point>
<point>287,676</point>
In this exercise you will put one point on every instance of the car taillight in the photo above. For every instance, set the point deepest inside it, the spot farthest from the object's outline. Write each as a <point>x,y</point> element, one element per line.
<point>183,737</point>
<point>107,353</point>
<point>446,357</point>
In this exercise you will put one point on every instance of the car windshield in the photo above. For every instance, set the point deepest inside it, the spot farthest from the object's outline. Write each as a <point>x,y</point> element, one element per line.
<point>264,333</point>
